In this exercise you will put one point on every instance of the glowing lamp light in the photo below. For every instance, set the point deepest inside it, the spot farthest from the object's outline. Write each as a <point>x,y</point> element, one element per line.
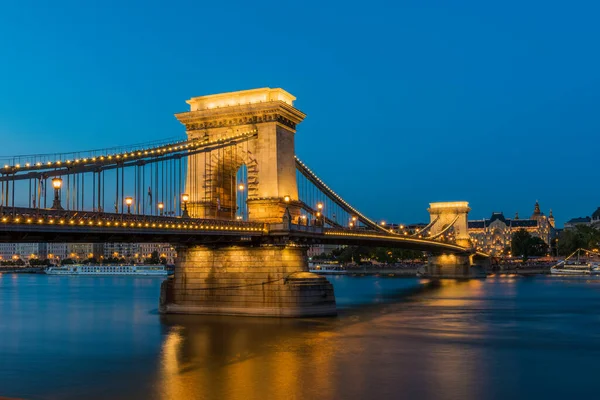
<point>286,198</point>
<point>129,202</point>
<point>241,187</point>
<point>185,198</point>
<point>319,206</point>
<point>57,183</point>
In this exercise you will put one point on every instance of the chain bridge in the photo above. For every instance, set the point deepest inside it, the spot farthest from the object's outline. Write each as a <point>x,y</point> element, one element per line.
<point>232,196</point>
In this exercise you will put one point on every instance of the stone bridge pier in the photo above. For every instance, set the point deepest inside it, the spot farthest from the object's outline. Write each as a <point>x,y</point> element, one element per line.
<point>255,281</point>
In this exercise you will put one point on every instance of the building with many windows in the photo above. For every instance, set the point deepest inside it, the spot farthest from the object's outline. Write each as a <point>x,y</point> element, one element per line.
<point>121,250</point>
<point>494,235</point>
<point>84,251</point>
<point>164,250</point>
<point>80,252</point>
<point>7,251</point>
<point>139,251</point>
<point>58,251</point>
<point>24,251</point>
<point>594,221</point>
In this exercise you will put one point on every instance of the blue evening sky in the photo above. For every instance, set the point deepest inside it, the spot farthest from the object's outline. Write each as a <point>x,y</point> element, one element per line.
<point>408,102</point>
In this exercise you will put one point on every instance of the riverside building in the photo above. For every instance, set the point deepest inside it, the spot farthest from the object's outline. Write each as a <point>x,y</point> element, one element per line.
<point>494,235</point>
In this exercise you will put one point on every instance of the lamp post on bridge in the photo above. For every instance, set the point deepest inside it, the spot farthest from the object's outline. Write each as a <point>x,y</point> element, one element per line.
<point>56,184</point>
<point>184,199</point>
<point>287,218</point>
<point>319,221</point>
<point>129,202</point>
<point>239,200</point>
<point>161,207</point>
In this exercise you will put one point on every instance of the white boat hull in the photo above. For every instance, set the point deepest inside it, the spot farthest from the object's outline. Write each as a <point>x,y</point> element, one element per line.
<point>328,272</point>
<point>573,271</point>
<point>109,270</point>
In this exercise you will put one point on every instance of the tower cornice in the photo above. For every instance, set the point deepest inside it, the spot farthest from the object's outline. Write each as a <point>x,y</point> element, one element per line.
<point>244,114</point>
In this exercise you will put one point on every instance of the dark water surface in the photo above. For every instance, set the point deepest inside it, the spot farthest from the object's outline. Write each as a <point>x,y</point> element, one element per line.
<point>500,338</point>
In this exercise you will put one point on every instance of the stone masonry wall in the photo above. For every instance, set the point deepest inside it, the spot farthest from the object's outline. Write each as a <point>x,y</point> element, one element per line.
<point>272,281</point>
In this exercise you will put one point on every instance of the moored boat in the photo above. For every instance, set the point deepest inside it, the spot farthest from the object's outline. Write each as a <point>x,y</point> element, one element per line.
<point>104,270</point>
<point>577,266</point>
<point>327,268</point>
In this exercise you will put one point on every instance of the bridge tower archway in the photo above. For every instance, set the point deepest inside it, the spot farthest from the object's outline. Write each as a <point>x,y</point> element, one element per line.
<point>265,121</point>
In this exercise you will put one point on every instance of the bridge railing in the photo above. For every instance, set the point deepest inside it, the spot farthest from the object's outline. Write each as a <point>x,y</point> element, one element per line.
<point>28,216</point>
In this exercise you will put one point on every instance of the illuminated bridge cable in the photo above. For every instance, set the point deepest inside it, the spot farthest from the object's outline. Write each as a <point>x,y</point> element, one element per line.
<point>43,158</point>
<point>312,177</point>
<point>429,225</point>
<point>57,167</point>
<point>312,211</point>
<point>446,229</point>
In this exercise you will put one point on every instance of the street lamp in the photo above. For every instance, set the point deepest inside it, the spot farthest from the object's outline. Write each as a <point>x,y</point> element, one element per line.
<point>161,206</point>
<point>319,220</point>
<point>129,202</point>
<point>56,184</point>
<point>241,187</point>
<point>185,198</point>
<point>286,198</point>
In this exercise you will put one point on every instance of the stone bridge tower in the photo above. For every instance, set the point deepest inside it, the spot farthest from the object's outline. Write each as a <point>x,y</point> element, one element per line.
<point>453,213</point>
<point>266,279</point>
<point>268,155</point>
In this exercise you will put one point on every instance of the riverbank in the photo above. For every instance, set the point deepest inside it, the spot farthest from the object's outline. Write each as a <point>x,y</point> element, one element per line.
<point>21,270</point>
<point>412,272</point>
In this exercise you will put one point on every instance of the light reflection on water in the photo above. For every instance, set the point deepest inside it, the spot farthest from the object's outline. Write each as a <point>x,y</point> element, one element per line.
<point>74,337</point>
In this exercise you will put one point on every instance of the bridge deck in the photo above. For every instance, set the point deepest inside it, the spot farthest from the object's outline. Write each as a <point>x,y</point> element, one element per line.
<point>43,225</point>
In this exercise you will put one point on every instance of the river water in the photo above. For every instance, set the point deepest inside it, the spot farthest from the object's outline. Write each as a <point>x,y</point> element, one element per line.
<point>395,338</point>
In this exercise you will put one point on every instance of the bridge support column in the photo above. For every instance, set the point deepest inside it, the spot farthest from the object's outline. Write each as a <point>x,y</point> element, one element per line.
<point>253,281</point>
<point>454,266</point>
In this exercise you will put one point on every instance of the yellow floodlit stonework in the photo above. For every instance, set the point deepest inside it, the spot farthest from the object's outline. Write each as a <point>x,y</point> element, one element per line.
<point>241,97</point>
<point>265,121</point>
<point>455,213</point>
<point>448,205</point>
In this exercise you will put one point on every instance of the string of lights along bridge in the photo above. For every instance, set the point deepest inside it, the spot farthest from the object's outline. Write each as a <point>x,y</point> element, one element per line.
<point>145,181</point>
<point>233,182</point>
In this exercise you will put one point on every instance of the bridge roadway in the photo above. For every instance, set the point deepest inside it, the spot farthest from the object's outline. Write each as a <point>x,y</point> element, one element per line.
<point>55,226</point>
